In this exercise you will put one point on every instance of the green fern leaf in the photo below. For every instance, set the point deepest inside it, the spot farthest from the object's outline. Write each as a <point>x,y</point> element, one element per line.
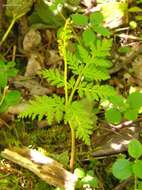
<point>51,107</point>
<point>102,48</point>
<point>73,63</point>
<point>71,83</point>
<point>54,77</point>
<point>95,92</point>
<point>87,90</point>
<point>83,53</point>
<point>92,73</point>
<point>100,62</point>
<point>81,119</point>
<point>105,91</point>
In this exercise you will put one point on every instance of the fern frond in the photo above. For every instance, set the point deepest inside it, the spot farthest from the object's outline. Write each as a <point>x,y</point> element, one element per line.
<point>87,90</point>
<point>51,107</point>
<point>102,48</point>
<point>73,63</point>
<point>105,91</point>
<point>65,34</point>
<point>93,73</point>
<point>83,53</point>
<point>53,76</point>
<point>95,92</point>
<point>102,62</point>
<point>81,119</point>
<point>71,83</point>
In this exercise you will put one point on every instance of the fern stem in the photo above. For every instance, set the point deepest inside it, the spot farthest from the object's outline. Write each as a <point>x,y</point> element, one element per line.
<point>77,84</point>
<point>72,159</point>
<point>75,87</point>
<point>65,79</point>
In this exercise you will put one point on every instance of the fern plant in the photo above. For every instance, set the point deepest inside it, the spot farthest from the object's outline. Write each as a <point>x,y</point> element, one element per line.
<point>86,64</point>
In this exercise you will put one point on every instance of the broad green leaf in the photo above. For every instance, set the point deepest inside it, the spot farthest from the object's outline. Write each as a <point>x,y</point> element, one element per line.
<point>12,97</point>
<point>12,72</point>
<point>113,115</point>
<point>88,36</point>
<point>3,78</point>
<point>18,8</point>
<point>3,75</point>
<point>135,10</point>
<point>34,19</point>
<point>2,63</point>
<point>135,148</point>
<point>137,168</point>
<point>79,19</point>
<point>102,30</point>
<point>10,64</point>
<point>96,18</point>
<point>79,172</point>
<point>90,180</point>
<point>117,101</point>
<point>135,100</point>
<point>3,107</point>
<point>138,17</point>
<point>124,50</point>
<point>122,169</point>
<point>131,114</point>
<point>48,14</point>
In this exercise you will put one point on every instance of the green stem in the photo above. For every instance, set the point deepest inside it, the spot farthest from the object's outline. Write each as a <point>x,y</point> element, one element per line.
<point>75,87</point>
<point>10,27</point>
<point>65,79</point>
<point>72,159</point>
<point>77,84</point>
<point>3,95</point>
<point>8,30</point>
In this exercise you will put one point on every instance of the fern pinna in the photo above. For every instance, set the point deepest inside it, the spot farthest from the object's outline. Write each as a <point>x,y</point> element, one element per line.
<point>86,64</point>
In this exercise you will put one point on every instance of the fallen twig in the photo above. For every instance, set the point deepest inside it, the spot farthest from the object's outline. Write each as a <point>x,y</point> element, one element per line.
<point>44,167</point>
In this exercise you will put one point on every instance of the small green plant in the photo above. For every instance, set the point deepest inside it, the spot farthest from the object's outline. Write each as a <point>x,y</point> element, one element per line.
<point>86,64</point>
<point>122,108</point>
<point>7,97</point>
<point>86,179</point>
<point>124,168</point>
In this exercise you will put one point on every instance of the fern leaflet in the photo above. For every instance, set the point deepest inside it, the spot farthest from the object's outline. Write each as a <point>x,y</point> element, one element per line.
<point>81,119</point>
<point>83,53</point>
<point>51,107</point>
<point>73,63</point>
<point>95,92</point>
<point>54,77</point>
<point>93,73</point>
<point>102,48</point>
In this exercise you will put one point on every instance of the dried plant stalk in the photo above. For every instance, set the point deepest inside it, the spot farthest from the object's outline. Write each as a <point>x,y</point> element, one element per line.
<point>44,167</point>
